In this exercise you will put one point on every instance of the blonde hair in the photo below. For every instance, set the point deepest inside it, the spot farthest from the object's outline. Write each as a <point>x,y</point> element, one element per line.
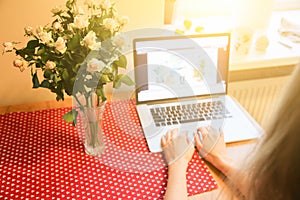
<point>274,169</point>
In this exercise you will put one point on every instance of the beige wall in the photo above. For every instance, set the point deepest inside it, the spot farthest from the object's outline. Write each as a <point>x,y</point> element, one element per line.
<point>16,87</point>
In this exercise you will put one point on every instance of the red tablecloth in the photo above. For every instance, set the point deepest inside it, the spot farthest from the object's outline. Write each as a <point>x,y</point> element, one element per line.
<point>42,157</point>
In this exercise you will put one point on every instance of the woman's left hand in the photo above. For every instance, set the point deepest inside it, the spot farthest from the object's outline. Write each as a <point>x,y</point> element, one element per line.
<point>187,155</point>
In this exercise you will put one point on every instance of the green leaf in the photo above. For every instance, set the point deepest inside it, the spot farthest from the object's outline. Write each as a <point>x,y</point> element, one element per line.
<point>100,93</point>
<point>122,78</point>
<point>71,117</point>
<point>65,75</point>
<point>76,68</point>
<point>74,42</point>
<point>105,78</point>
<point>69,84</point>
<point>117,84</point>
<point>127,80</point>
<point>45,57</point>
<point>41,51</point>
<point>29,58</point>
<point>45,84</point>
<point>20,52</point>
<point>121,62</point>
<point>56,78</point>
<point>78,58</point>
<point>66,64</point>
<point>29,51</point>
<point>48,73</point>
<point>32,44</point>
<point>30,48</point>
<point>35,81</point>
<point>59,93</point>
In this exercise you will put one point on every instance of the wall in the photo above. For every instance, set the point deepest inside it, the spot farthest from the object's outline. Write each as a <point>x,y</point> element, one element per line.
<point>16,87</point>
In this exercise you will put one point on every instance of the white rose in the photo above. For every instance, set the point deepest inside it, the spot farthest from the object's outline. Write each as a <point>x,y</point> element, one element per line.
<point>56,10</point>
<point>77,9</point>
<point>50,65</point>
<point>57,26</point>
<point>97,12</point>
<point>95,65</point>
<point>8,46</point>
<point>21,64</point>
<point>28,30</point>
<point>110,24</point>
<point>70,26</point>
<point>105,4</point>
<point>60,45</point>
<point>81,21</point>
<point>90,41</point>
<point>18,63</point>
<point>123,20</point>
<point>45,37</point>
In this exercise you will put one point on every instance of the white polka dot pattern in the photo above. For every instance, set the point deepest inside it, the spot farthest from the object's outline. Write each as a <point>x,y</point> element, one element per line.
<point>42,157</point>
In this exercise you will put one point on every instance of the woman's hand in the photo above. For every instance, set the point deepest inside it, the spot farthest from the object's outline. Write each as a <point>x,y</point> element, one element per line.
<point>211,147</point>
<point>178,151</point>
<point>181,156</point>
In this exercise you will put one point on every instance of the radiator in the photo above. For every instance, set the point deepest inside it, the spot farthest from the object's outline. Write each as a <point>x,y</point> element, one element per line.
<point>259,97</point>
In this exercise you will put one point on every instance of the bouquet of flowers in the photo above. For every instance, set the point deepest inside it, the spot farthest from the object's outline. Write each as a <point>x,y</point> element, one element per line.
<point>77,53</point>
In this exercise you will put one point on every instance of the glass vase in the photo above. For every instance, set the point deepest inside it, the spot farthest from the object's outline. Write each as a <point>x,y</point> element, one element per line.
<point>90,128</point>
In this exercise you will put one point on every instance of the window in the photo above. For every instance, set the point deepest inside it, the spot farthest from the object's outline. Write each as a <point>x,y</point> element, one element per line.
<point>286,4</point>
<point>204,8</point>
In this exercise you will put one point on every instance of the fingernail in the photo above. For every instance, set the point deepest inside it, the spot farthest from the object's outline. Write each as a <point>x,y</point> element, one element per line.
<point>200,136</point>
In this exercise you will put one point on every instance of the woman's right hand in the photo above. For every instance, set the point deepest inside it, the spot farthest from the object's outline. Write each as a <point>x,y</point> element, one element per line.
<point>212,148</point>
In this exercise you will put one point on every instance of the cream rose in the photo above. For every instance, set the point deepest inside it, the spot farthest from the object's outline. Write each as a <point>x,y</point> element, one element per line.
<point>110,24</point>
<point>24,65</point>
<point>45,37</point>
<point>95,65</point>
<point>21,64</point>
<point>8,46</point>
<point>60,45</point>
<point>123,20</point>
<point>18,63</point>
<point>57,26</point>
<point>56,10</point>
<point>105,4</point>
<point>70,26</point>
<point>97,12</point>
<point>50,65</point>
<point>90,41</point>
<point>81,21</point>
<point>28,30</point>
<point>78,10</point>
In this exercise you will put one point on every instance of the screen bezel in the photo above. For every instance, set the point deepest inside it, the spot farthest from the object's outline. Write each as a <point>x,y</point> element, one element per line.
<point>172,37</point>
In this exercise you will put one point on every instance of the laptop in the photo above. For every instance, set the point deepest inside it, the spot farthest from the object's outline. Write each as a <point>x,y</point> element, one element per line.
<point>182,82</point>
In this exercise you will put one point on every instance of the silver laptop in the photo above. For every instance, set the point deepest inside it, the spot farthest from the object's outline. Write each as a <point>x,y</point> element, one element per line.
<point>182,82</point>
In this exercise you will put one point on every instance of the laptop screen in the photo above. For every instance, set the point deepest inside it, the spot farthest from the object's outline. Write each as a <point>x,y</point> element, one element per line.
<point>176,67</point>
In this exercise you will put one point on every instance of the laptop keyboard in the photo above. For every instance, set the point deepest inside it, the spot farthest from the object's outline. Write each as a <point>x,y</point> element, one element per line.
<point>179,114</point>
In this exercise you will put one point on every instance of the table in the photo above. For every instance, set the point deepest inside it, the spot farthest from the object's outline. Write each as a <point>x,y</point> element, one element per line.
<point>43,157</point>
